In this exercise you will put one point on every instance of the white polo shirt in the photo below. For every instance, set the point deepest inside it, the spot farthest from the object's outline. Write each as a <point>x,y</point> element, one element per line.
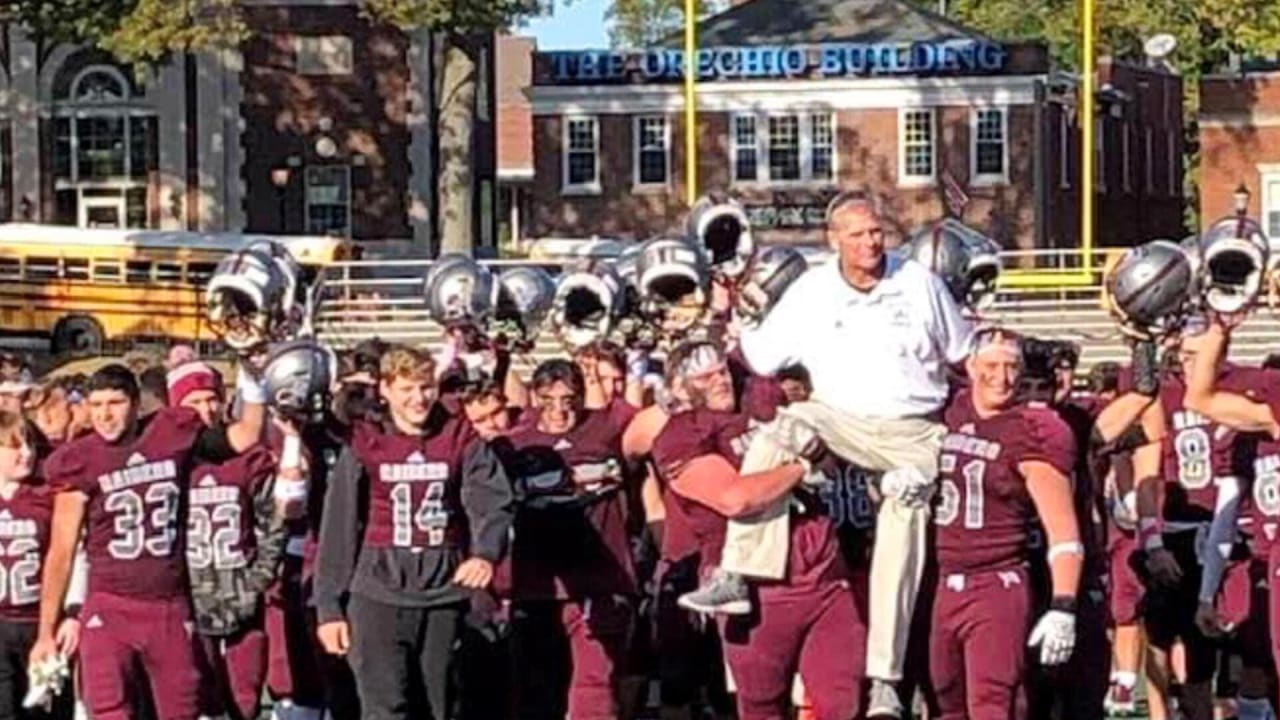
<point>880,353</point>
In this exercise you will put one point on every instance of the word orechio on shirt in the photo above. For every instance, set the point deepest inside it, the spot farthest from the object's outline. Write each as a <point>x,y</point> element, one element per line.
<point>826,60</point>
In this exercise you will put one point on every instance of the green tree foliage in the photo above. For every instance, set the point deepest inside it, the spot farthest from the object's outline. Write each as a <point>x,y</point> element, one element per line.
<point>643,23</point>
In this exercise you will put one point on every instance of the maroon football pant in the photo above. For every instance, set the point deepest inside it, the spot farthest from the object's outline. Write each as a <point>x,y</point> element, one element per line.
<point>233,670</point>
<point>977,652</point>
<point>121,635</point>
<point>820,634</point>
<point>1126,587</point>
<point>570,650</point>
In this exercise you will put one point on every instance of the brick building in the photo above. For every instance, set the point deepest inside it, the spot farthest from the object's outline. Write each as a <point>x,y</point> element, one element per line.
<point>322,122</point>
<point>797,100</point>
<point>1240,142</point>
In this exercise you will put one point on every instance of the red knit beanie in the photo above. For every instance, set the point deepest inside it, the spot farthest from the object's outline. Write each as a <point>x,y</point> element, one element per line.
<point>191,377</point>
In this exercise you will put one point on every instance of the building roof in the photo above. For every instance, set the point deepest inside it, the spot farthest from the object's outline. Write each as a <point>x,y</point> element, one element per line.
<point>788,22</point>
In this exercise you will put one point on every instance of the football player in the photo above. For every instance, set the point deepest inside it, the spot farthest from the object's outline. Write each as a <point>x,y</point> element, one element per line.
<point>125,483</point>
<point>417,512</point>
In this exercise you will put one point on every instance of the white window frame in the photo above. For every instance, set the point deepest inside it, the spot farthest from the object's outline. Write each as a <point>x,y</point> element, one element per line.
<point>1150,169</point>
<point>804,128</point>
<point>734,147</point>
<point>306,195</point>
<point>591,187</point>
<point>1126,168</point>
<point>636,148</point>
<point>1100,153</point>
<point>1270,203</point>
<point>917,181</point>
<point>1064,150</point>
<point>989,179</point>
<point>1171,149</point>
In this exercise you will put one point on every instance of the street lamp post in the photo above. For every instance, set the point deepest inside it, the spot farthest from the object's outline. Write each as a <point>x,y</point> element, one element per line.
<point>1241,196</point>
<point>280,178</point>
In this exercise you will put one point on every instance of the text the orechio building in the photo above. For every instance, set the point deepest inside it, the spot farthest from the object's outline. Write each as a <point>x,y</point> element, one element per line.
<point>798,100</point>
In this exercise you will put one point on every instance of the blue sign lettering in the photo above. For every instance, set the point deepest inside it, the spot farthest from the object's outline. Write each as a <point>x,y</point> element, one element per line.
<point>827,60</point>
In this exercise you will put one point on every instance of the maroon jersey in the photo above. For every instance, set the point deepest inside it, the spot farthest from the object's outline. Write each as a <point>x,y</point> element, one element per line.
<point>414,484</point>
<point>983,508</point>
<point>220,510</point>
<point>1264,505</point>
<point>1197,451</point>
<point>849,506</point>
<point>134,542</point>
<point>580,547</point>
<point>25,519</point>
<point>814,552</point>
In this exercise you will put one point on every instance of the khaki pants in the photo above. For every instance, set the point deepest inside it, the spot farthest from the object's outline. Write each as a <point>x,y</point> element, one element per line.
<point>758,546</point>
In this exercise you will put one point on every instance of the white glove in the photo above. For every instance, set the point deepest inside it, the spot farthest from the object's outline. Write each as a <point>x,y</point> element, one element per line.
<point>1055,633</point>
<point>908,486</point>
<point>250,388</point>
<point>46,681</point>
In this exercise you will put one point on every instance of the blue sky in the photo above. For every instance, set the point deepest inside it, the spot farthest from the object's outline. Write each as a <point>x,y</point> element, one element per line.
<point>574,25</point>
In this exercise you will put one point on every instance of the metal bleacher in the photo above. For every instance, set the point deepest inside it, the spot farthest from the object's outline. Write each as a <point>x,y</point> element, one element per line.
<point>384,299</point>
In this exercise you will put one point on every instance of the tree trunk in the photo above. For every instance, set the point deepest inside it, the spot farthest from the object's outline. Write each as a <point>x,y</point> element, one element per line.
<point>457,120</point>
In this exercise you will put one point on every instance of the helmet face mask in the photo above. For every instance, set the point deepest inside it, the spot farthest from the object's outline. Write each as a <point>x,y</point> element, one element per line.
<point>459,291</point>
<point>1151,289</point>
<point>588,303</point>
<point>967,262</point>
<point>723,232</point>
<point>771,273</point>
<point>525,299</point>
<point>673,284</point>
<point>1233,255</point>
<point>298,379</point>
<point>251,298</point>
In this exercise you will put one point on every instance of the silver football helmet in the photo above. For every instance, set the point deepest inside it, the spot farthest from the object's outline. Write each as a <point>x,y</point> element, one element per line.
<point>460,290</point>
<point>525,297</point>
<point>1233,260</point>
<point>298,379</point>
<point>723,231</point>
<point>967,262</point>
<point>673,283</point>
<point>1150,289</point>
<point>587,305</point>
<point>771,273</point>
<point>251,297</point>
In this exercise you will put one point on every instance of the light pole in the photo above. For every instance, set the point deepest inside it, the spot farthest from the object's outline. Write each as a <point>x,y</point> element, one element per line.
<point>1241,197</point>
<point>280,178</point>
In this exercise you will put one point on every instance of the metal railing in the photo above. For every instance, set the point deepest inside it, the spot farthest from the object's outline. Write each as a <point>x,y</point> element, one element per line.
<point>360,300</point>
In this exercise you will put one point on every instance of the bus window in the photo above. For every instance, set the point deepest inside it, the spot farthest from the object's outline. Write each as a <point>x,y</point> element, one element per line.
<point>10,269</point>
<point>75,268</point>
<point>138,271</point>
<point>42,268</point>
<point>106,271</point>
<point>199,273</point>
<point>168,272</point>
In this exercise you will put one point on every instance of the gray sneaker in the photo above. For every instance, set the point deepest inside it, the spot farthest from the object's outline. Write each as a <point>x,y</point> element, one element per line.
<point>883,702</point>
<point>724,592</point>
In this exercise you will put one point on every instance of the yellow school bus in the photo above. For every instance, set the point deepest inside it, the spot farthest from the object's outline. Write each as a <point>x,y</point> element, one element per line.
<point>76,289</point>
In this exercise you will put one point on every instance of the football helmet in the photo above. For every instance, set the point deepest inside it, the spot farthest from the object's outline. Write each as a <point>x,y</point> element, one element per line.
<point>1232,256</point>
<point>298,380</point>
<point>251,297</point>
<point>967,262</point>
<point>588,303</point>
<point>1150,289</point>
<point>459,290</point>
<point>721,229</point>
<point>525,297</point>
<point>771,273</point>
<point>673,283</point>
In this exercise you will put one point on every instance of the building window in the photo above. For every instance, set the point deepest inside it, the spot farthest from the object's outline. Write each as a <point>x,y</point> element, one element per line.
<point>915,147</point>
<point>1126,165</point>
<point>822,146</point>
<point>482,84</point>
<point>745,148</point>
<point>581,151</point>
<point>1149,150</point>
<point>103,150</point>
<point>989,150</point>
<point>1271,204</point>
<point>1175,181</point>
<point>328,189</point>
<point>324,54</point>
<point>652,141</point>
<point>1100,153</point>
<point>1064,150</point>
<point>784,148</point>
